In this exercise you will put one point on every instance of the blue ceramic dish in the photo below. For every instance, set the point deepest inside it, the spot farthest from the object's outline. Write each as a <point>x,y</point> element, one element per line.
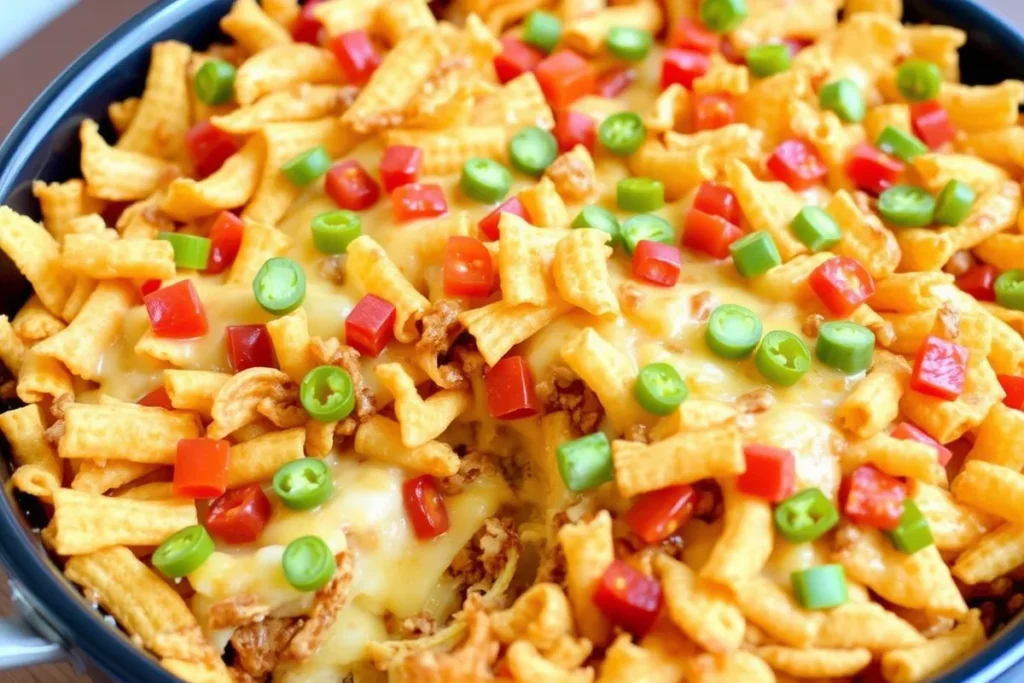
<point>44,145</point>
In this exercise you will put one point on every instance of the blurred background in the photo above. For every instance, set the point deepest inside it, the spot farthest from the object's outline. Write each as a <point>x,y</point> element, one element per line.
<point>40,37</point>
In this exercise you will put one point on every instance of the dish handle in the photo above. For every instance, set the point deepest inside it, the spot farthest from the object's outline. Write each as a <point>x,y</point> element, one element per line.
<point>27,639</point>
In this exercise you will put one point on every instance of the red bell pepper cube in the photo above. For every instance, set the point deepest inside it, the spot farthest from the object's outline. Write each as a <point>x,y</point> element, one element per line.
<point>370,325</point>
<point>574,128</point>
<point>683,67</point>
<point>515,59</point>
<point>614,82</point>
<point>770,473</point>
<point>239,515</point>
<point>350,186</point>
<point>157,398</point>
<point>209,147</point>
<point>798,164</point>
<point>713,111</point>
<point>468,268</point>
<point>657,263</point>
<point>489,224</point>
<point>906,430</point>
<point>939,368</point>
<point>691,35</point>
<point>307,28</point>
<point>201,468</point>
<point>565,77</point>
<point>400,165</point>
<point>250,346</point>
<point>931,123</point>
<point>718,200</point>
<point>176,312</point>
<point>872,498</point>
<point>628,598</point>
<point>656,515</point>
<point>1014,388</point>
<point>225,241</point>
<point>511,392</point>
<point>873,171</point>
<point>796,45</point>
<point>418,200</point>
<point>842,284</point>
<point>709,234</point>
<point>356,55</point>
<point>149,286</point>
<point>979,282</point>
<point>424,506</point>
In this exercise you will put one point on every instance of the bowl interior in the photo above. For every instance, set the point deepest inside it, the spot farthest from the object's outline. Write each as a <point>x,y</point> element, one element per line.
<point>44,146</point>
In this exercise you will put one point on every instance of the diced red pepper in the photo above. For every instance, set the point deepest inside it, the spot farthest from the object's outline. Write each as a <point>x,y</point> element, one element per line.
<point>516,58</point>
<point>873,171</point>
<point>424,506</point>
<point>628,598</point>
<point>370,325</point>
<point>176,312</point>
<point>201,468</point>
<point>418,200</point>
<point>1014,388</point>
<point>709,234</point>
<point>350,186</point>
<point>872,498</point>
<point>770,473</point>
<point>574,128</point>
<point>940,368</point>
<point>356,55</point>
<point>656,515</point>
<point>731,53</point>
<point>239,515</point>
<point>250,346</point>
<point>713,111</point>
<point>718,200</point>
<point>400,165</point>
<point>931,123</point>
<point>905,430</point>
<point>209,147</point>
<point>489,224</point>
<point>511,392</point>
<point>683,67</point>
<point>979,282</point>
<point>307,27</point>
<point>225,241</point>
<point>796,45</point>
<point>613,82</point>
<point>468,268</point>
<point>691,35</point>
<point>157,398</point>
<point>842,284</point>
<point>149,286</point>
<point>657,263</point>
<point>565,77</point>
<point>798,164</point>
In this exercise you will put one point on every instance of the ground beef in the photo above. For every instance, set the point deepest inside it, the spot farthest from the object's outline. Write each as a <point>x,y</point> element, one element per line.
<point>563,390</point>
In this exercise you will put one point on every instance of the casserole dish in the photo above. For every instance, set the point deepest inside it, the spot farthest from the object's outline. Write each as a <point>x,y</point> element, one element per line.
<point>43,146</point>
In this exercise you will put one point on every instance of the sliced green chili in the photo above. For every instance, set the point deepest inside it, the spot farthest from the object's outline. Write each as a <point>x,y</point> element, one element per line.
<point>816,228</point>
<point>907,206</point>
<point>845,346</point>
<point>308,563</point>
<point>845,99</point>
<point>755,254</point>
<point>335,230</point>
<point>593,216</point>
<point>622,133</point>
<point>304,168</point>
<point>303,484</point>
<point>214,83</point>
<point>768,59</point>
<point>640,194</point>
<point>954,203</point>
<point>913,532</point>
<point>805,516</point>
<point>280,286</point>
<point>542,30</point>
<point>919,80</point>
<point>782,358</point>
<point>659,389</point>
<point>1009,288</point>
<point>646,226</point>
<point>184,552</point>
<point>531,150</point>
<point>820,587</point>
<point>327,393</point>
<point>629,44</point>
<point>900,144</point>
<point>191,252</point>
<point>585,462</point>
<point>733,331</point>
<point>485,180</point>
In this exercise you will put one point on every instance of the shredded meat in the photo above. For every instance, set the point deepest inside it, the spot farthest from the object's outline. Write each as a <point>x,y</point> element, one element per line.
<point>471,662</point>
<point>332,268</point>
<point>574,175</point>
<point>441,327</point>
<point>701,305</point>
<point>812,324</point>
<point>471,466</point>
<point>55,432</point>
<point>332,352</point>
<point>239,675</point>
<point>236,611</point>
<point>419,624</point>
<point>258,646</point>
<point>759,400</point>
<point>709,505</point>
<point>468,360</point>
<point>60,404</point>
<point>563,390</point>
<point>328,602</point>
<point>486,555</point>
<point>947,322</point>
<point>638,433</point>
<point>631,297</point>
<point>959,263</point>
